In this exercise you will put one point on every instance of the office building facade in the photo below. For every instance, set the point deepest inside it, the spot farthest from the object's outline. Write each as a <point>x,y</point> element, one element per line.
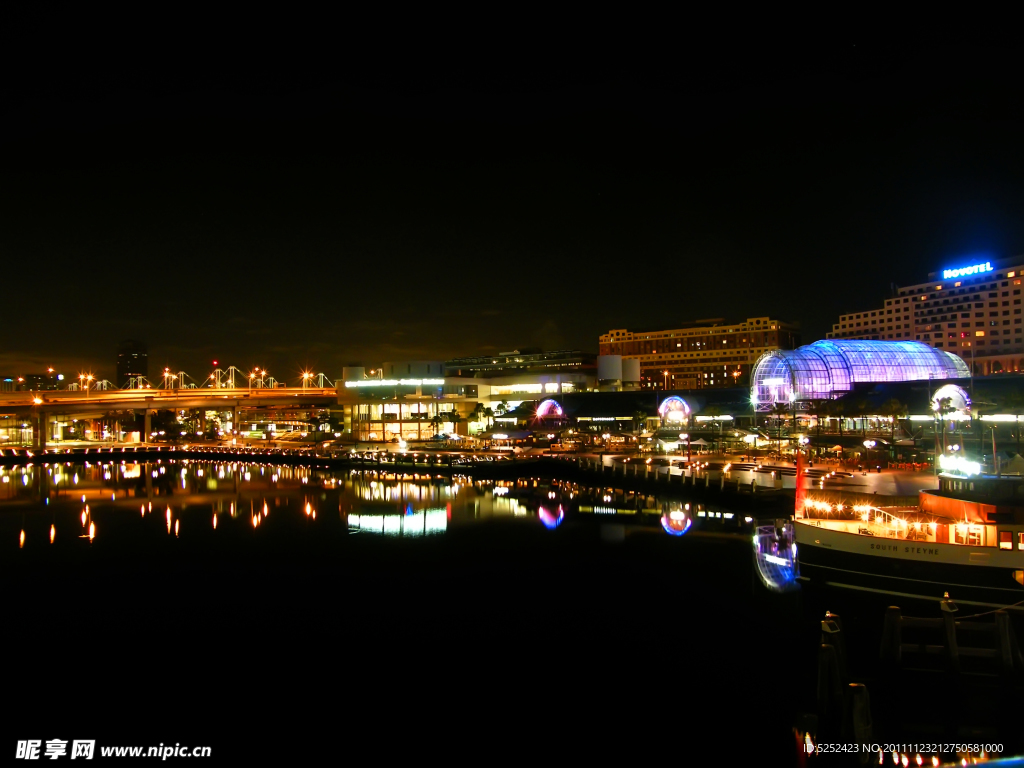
<point>705,353</point>
<point>132,361</point>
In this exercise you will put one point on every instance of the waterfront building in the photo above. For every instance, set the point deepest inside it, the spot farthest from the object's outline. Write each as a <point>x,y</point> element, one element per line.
<point>407,408</point>
<point>701,354</point>
<point>132,361</point>
<point>522,373</point>
<point>971,310</point>
<point>418,399</point>
<point>830,368</point>
<point>32,382</point>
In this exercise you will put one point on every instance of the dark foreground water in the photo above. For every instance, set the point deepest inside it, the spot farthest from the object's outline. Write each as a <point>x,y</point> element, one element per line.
<point>291,614</point>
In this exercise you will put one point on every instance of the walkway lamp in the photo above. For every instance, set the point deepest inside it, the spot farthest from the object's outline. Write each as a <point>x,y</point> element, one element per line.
<point>869,444</point>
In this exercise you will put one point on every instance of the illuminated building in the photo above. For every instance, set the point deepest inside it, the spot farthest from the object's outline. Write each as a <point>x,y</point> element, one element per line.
<point>827,369</point>
<point>132,361</point>
<point>705,353</point>
<point>972,310</point>
<point>406,408</point>
<point>32,382</point>
<point>528,372</point>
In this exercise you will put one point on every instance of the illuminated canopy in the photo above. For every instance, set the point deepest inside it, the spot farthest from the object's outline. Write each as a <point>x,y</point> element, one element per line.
<point>674,409</point>
<point>957,396</point>
<point>549,408</point>
<point>825,369</point>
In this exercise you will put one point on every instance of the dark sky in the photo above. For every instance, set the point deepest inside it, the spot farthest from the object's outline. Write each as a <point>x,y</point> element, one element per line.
<point>312,205</point>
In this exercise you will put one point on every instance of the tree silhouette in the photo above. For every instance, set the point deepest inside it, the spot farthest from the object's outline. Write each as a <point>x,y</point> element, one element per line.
<point>779,411</point>
<point>894,409</point>
<point>455,418</point>
<point>477,413</point>
<point>944,407</point>
<point>821,408</point>
<point>639,419</point>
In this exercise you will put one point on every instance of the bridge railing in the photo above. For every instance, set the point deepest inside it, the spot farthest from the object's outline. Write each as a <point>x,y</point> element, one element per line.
<point>50,397</point>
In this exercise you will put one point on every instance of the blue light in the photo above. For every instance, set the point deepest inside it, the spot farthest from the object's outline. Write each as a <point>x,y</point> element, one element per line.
<point>776,557</point>
<point>824,369</point>
<point>675,527</point>
<point>975,269</point>
<point>549,520</point>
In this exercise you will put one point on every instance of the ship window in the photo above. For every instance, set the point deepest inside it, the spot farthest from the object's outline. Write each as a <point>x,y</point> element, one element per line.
<point>1020,540</point>
<point>959,537</point>
<point>1006,539</point>
<point>974,537</point>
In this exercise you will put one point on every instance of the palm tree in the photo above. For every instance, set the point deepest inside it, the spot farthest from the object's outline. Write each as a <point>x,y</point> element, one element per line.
<point>714,410</point>
<point>838,409</point>
<point>477,413</point>
<point>862,408</point>
<point>944,406</point>
<point>779,411</point>
<point>894,409</point>
<point>639,420</point>
<point>437,421</point>
<point>821,408</point>
<point>455,418</point>
<point>489,415</point>
<point>502,408</point>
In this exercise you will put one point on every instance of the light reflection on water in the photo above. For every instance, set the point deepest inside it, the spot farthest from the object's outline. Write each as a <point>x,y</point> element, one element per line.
<point>37,502</point>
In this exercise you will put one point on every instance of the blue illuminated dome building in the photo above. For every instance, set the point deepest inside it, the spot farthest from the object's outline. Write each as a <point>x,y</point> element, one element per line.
<point>830,368</point>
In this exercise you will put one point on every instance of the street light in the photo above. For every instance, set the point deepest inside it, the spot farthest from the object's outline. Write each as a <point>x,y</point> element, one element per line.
<point>306,376</point>
<point>85,380</point>
<point>869,444</point>
<point>666,380</point>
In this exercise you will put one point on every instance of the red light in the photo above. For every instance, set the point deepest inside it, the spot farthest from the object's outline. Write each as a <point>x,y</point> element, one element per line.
<point>215,362</point>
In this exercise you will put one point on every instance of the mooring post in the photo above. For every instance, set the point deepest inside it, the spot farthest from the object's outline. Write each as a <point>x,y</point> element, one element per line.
<point>949,625</point>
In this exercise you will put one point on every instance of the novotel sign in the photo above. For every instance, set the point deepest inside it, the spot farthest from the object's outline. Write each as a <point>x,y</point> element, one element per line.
<point>977,269</point>
<point>394,383</point>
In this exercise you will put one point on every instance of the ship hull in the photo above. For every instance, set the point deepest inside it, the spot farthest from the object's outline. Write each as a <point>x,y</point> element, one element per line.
<point>982,575</point>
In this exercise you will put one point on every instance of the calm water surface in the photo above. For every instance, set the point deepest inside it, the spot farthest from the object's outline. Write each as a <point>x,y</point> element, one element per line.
<point>291,612</point>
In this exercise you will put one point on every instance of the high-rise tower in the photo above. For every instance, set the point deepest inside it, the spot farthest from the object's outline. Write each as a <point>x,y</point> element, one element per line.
<point>132,360</point>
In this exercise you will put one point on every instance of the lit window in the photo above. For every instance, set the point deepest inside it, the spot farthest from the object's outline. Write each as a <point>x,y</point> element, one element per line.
<point>1020,540</point>
<point>1006,539</point>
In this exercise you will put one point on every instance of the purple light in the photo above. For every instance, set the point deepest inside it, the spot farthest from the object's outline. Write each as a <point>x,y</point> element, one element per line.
<point>826,368</point>
<point>551,521</point>
<point>547,407</point>
<point>675,405</point>
<point>676,526</point>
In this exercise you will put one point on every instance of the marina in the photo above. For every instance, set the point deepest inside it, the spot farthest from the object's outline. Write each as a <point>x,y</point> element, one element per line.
<point>219,541</point>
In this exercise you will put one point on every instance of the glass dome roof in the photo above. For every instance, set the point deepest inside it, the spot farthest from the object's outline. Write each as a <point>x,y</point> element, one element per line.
<point>828,368</point>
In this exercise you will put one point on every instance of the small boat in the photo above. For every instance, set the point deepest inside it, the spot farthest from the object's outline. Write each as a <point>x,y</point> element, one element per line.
<point>965,540</point>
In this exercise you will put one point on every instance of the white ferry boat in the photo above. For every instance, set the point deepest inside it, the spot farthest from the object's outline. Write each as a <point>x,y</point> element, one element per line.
<point>965,539</point>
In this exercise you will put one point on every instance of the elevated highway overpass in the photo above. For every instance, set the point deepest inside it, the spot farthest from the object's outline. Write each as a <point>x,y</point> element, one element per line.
<point>39,406</point>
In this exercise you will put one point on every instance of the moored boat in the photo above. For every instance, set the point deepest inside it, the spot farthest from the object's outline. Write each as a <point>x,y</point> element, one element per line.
<point>965,539</point>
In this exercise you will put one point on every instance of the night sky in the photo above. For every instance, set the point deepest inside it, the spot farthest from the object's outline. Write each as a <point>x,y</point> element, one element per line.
<point>312,206</point>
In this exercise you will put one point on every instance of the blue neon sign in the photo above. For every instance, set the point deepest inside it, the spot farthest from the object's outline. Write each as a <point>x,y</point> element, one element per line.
<point>973,270</point>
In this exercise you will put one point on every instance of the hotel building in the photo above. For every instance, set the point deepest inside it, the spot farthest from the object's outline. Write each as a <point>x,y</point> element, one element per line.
<point>705,353</point>
<point>972,311</point>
